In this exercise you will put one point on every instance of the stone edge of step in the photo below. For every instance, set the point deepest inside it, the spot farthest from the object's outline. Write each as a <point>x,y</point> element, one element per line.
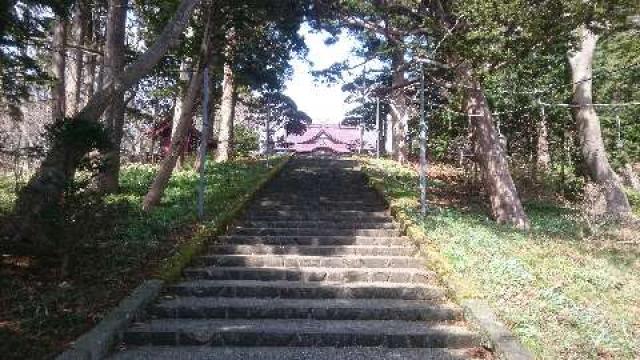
<point>500,337</point>
<point>285,353</point>
<point>98,342</point>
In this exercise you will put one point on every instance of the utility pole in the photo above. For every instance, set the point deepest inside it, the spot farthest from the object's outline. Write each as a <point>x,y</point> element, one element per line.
<point>364,108</point>
<point>377,127</point>
<point>203,141</point>
<point>423,147</point>
<point>268,134</point>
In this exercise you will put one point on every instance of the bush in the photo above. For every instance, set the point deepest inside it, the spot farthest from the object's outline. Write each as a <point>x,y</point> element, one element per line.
<point>246,141</point>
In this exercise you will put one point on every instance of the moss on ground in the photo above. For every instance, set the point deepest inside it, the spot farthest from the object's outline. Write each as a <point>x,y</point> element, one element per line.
<point>566,295</point>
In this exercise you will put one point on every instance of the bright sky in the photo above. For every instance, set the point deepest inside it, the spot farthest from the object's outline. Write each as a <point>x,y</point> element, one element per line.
<point>324,103</point>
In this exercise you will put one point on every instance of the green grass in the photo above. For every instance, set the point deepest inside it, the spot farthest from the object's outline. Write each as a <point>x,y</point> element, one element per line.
<point>634,200</point>
<point>565,295</point>
<point>7,194</point>
<point>116,246</point>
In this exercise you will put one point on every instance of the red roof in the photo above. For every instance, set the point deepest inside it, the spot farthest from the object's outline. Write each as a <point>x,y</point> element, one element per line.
<point>337,138</point>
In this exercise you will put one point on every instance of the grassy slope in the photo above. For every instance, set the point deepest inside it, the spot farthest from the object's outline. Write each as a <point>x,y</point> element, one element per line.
<point>566,296</point>
<point>40,313</point>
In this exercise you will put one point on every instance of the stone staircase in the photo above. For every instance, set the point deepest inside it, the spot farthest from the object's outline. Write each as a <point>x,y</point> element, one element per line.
<point>316,270</point>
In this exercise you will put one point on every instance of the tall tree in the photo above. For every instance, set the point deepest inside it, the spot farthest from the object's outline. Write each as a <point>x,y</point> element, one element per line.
<point>490,155</point>
<point>114,61</point>
<point>44,190</point>
<point>21,23</point>
<point>183,82</point>
<point>76,58</point>
<point>589,132</point>
<point>228,104</point>
<point>58,60</point>
<point>179,136</point>
<point>399,105</point>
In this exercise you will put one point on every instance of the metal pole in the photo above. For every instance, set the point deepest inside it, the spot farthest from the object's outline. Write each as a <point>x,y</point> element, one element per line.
<point>423,148</point>
<point>268,135</point>
<point>619,139</point>
<point>364,109</point>
<point>378,127</point>
<point>203,142</point>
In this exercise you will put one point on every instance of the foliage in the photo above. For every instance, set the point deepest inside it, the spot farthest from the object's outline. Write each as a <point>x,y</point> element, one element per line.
<point>617,58</point>
<point>564,295</point>
<point>43,311</point>
<point>519,58</point>
<point>279,110</point>
<point>7,195</point>
<point>246,141</point>
<point>20,24</point>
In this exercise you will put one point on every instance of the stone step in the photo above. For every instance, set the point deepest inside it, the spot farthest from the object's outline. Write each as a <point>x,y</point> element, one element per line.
<point>321,203</point>
<point>239,230</point>
<point>338,333</point>
<point>318,207</point>
<point>296,353</point>
<point>300,191</point>
<point>316,215</point>
<point>319,200</point>
<point>301,261</point>
<point>307,290</point>
<point>348,250</point>
<point>362,195</point>
<point>318,224</point>
<point>312,274</point>
<point>316,309</point>
<point>309,240</point>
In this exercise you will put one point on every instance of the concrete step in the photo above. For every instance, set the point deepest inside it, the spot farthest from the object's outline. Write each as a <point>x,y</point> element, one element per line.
<point>313,250</point>
<point>239,230</point>
<point>312,274</point>
<point>338,333</point>
<point>310,240</point>
<point>307,290</point>
<point>357,196</point>
<point>305,207</point>
<point>317,309</point>
<point>319,202</point>
<point>318,215</point>
<point>300,261</point>
<point>296,353</point>
<point>318,224</point>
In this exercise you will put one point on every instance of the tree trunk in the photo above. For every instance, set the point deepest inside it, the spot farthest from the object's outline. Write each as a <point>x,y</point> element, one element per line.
<point>58,57</point>
<point>228,103</point>
<point>76,60</point>
<point>185,72</point>
<point>46,187</point>
<point>179,137</point>
<point>114,115</point>
<point>630,177</point>
<point>205,134</point>
<point>589,133</point>
<point>399,107</point>
<point>543,159</point>
<point>90,78</point>
<point>90,63</point>
<point>506,207</point>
